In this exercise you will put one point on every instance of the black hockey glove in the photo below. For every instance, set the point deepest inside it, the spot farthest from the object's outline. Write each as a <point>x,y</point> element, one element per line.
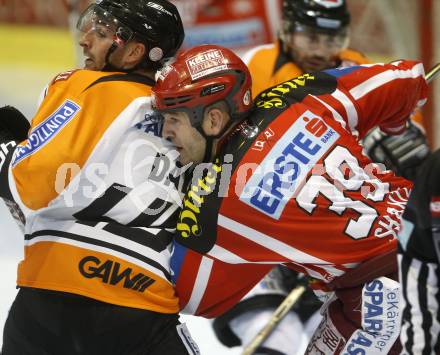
<point>13,124</point>
<point>291,278</point>
<point>402,154</point>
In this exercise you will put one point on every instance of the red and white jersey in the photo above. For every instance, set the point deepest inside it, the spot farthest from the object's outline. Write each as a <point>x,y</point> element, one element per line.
<point>235,24</point>
<point>293,186</point>
<point>99,204</point>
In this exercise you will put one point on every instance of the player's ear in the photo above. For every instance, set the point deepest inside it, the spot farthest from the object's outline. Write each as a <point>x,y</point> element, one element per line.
<point>214,121</point>
<point>134,53</point>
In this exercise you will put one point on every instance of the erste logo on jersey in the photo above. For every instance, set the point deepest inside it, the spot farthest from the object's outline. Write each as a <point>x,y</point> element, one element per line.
<point>206,63</point>
<point>287,164</point>
<point>45,131</point>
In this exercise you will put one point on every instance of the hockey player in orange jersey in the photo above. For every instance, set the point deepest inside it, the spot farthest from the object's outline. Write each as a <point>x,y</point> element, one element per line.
<point>95,278</point>
<point>314,35</point>
<point>286,182</point>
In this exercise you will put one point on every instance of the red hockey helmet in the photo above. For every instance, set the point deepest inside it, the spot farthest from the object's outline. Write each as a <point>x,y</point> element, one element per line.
<point>201,76</point>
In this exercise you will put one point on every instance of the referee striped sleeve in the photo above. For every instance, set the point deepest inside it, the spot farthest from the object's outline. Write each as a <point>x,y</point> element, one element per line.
<point>420,318</point>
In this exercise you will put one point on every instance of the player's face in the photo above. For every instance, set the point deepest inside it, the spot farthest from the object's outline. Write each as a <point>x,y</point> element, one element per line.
<point>188,141</point>
<point>314,51</point>
<point>95,44</point>
<point>99,30</point>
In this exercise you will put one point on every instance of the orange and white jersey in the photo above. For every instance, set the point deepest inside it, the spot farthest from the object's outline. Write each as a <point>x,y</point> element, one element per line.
<point>269,66</point>
<point>292,186</point>
<point>93,179</point>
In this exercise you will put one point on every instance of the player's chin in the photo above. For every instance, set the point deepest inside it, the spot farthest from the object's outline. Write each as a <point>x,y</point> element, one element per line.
<point>315,65</point>
<point>90,65</point>
<point>183,160</point>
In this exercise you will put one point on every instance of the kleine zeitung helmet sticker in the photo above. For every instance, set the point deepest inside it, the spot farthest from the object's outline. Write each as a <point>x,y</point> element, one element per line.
<point>206,63</point>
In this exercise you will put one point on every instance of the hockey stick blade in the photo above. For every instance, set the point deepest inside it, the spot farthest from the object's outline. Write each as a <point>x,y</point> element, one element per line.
<point>275,319</point>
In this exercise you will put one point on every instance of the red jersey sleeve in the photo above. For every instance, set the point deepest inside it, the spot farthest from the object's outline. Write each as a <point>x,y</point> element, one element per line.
<point>384,94</point>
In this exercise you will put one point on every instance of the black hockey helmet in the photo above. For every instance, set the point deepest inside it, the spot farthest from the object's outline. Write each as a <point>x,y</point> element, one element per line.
<point>327,16</point>
<point>156,24</point>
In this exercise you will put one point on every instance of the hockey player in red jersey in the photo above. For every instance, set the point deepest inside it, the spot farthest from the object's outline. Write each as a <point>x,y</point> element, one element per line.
<point>285,181</point>
<point>314,35</point>
<point>95,278</point>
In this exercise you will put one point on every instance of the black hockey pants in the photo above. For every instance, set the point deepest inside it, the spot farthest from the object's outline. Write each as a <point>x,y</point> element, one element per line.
<point>44,322</point>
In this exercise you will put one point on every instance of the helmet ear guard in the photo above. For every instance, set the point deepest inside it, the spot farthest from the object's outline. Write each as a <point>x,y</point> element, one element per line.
<point>155,54</point>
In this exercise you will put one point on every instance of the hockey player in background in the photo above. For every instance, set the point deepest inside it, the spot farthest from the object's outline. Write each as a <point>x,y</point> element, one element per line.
<point>419,259</point>
<point>314,35</point>
<point>286,182</point>
<point>95,277</point>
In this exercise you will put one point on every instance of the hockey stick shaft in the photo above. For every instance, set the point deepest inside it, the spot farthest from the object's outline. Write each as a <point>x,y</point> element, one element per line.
<point>433,72</point>
<point>276,318</point>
